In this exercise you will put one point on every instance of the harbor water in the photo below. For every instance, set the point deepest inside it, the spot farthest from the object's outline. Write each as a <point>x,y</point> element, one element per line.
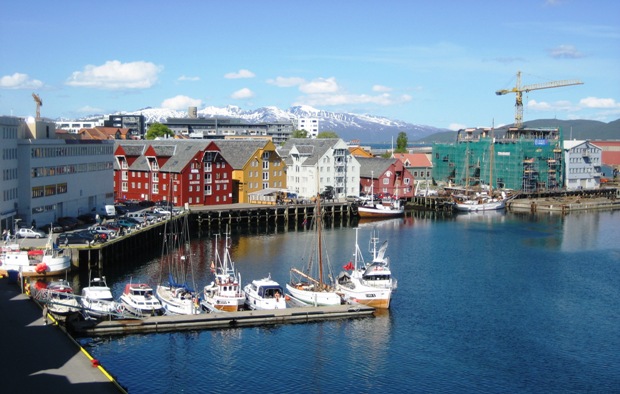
<point>486,302</point>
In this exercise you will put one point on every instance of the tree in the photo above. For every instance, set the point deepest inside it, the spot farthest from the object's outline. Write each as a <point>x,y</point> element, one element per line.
<point>327,134</point>
<point>401,143</point>
<point>158,130</point>
<point>299,134</point>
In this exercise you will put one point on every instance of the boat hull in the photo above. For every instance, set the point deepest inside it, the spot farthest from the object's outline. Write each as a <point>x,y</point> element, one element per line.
<point>36,263</point>
<point>475,207</point>
<point>310,297</point>
<point>175,302</point>
<point>379,211</point>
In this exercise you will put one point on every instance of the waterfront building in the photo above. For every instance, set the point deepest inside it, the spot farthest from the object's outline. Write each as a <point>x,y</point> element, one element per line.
<point>56,177</point>
<point>310,125</point>
<point>386,177</point>
<point>315,164</point>
<point>180,171</point>
<point>420,165</point>
<point>9,201</point>
<point>527,159</point>
<point>583,165</point>
<point>215,128</point>
<point>256,165</point>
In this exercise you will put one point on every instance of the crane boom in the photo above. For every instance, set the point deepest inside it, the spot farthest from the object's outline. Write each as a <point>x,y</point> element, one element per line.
<point>39,102</point>
<point>518,90</point>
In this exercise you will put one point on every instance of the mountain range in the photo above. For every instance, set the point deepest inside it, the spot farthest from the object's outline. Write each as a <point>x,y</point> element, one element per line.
<point>348,126</point>
<point>371,129</point>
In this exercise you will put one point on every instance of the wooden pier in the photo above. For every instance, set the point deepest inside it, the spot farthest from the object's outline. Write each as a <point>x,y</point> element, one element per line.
<point>205,321</point>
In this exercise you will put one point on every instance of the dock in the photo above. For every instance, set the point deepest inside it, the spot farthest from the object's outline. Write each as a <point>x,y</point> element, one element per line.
<point>205,321</point>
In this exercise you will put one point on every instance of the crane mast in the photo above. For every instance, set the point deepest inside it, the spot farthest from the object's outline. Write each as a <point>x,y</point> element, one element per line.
<point>518,90</point>
<point>39,102</point>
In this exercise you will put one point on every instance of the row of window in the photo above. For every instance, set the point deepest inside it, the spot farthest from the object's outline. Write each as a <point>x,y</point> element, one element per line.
<point>9,154</point>
<point>44,208</point>
<point>37,172</point>
<point>580,170</point>
<point>48,190</point>
<point>10,194</point>
<point>592,159</point>
<point>9,174</point>
<point>9,133</point>
<point>65,151</point>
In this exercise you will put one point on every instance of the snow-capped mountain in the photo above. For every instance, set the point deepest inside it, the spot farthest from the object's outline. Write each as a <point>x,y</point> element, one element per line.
<point>348,126</point>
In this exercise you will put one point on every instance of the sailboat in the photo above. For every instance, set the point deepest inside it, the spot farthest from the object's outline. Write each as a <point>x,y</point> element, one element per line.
<point>176,295</point>
<point>369,284</point>
<point>387,207</point>
<point>481,201</point>
<point>224,293</point>
<point>308,285</point>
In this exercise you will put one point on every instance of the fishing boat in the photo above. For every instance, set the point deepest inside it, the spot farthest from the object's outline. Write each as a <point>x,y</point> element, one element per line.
<point>308,285</point>
<point>264,293</point>
<point>60,299</point>
<point>367,284</point>
<point>139,300</point>
<point>224,293</point>
<point>175,294</point>
<point>49,261</point>
<point>97,300</point>
<point>385,207</point>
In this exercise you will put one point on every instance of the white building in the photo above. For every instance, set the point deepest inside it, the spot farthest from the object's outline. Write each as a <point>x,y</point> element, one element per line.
<point>314,164</point>
<point>9,127</point>
<point>73,126</point>
<point>45,178</point>
<point>310,125</point>
<point>583,165</point>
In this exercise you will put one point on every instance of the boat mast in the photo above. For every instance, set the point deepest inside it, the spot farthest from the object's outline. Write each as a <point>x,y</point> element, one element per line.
<point>492,149</point>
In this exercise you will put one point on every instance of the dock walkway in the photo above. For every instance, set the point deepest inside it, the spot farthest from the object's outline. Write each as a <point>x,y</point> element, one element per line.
<point>43,358</point>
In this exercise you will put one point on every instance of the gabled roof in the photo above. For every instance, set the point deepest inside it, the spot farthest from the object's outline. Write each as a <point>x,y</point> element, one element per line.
<point>179,152</point>
<point>314,149</point>
<point>414,159</point>
<point>238,152</point>
<point>103,133</point>
<point>374,166</point>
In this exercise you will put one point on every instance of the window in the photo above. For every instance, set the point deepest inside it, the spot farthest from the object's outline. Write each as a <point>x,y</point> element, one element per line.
<point>386,181</point>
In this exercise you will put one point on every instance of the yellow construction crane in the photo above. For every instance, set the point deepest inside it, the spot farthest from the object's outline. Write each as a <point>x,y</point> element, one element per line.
<point>39,102</point>
<point>518,89</point>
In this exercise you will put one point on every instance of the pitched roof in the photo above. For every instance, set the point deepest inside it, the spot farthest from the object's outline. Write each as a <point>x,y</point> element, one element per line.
<point>374,166</point>
<point>238,152</point>
<point>414,159</point>
<point>313,148</point>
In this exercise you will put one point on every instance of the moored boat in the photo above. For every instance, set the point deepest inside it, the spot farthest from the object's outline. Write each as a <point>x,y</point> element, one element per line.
<point>60,299</point>
<point>224,294</point>
<point>363,284</point>
<point>49,261</point>
<point>139,300</point>
<point>97,300</point>
<point>385,208</point>
<point>264,294</point>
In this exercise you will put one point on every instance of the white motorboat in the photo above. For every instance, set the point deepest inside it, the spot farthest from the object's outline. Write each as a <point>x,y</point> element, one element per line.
<point>97,300</point>
<point>366,284</point>
<point>139,299</point>
<point>59,297</point>
<point>264,294</point>
<point>39,262</point>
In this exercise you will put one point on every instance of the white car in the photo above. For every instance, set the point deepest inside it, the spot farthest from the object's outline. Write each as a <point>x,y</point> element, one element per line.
<point>103,230</point>
<point>29,233</point>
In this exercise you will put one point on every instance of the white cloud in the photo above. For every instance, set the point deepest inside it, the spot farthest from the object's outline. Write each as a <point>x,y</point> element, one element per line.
<point>115,75</point>
<point>19,81</point>
<point>181,102</point>
<point>243,73</point>
<point>286,82</point>
<point>456,126</point>
<point>565,52</point>
<point>320,85</point>
<point>595,102</point>
<point>562,105</point>
<point>186,78</point>
<point>242,94</point>
<point>381,88</point>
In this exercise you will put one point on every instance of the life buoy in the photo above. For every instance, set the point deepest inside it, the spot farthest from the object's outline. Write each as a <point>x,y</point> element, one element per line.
<point>41,268</point>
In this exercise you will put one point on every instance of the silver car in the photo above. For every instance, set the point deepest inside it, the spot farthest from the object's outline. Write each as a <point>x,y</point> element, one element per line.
<point>29,233</point>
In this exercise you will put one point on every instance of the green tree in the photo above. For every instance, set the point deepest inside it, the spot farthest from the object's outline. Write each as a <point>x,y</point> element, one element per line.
<point>299,134</point>
<point>158,130</point>
<point>327,134</point>
<point>401,143</point>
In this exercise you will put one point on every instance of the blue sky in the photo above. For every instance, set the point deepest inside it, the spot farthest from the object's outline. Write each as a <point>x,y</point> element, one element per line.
<point>434,63</point>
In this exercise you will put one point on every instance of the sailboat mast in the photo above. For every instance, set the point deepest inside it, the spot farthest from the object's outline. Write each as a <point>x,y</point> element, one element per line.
<point>319,239</point>
<point>492,149</point>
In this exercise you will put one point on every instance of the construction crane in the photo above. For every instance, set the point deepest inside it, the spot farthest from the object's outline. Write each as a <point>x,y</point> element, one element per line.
<point>39,102</point>
<point>518,89</point>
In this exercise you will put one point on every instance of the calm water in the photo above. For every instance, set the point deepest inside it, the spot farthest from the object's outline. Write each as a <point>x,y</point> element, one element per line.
<point>485,303</point>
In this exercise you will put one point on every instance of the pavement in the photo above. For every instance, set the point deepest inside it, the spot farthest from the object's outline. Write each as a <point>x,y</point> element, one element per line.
<point>36,357</point>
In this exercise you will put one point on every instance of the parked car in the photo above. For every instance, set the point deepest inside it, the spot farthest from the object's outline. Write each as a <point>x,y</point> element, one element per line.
<point>120,210</point>
<point>88,218</point>
<point>138,216</point>
<point>146,203</point>
<point>93,235</point>
<point>126,223</point>
<point>163,211</point>
<point>101,229</point>
<point>355,199</point>
<point>29,233</point>
<point>68,223</point>
<point>74,238</point>
<point>328,193</point>
<point>55,226</point>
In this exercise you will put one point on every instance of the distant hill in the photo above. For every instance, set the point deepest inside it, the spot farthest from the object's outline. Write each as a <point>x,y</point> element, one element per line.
<point>580,129</point>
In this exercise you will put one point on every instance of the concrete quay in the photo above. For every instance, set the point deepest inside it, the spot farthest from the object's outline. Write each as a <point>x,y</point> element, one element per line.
<point>42,358</point>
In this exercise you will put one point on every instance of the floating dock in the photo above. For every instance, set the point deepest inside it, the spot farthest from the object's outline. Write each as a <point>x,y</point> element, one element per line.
<point>205,321</point>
